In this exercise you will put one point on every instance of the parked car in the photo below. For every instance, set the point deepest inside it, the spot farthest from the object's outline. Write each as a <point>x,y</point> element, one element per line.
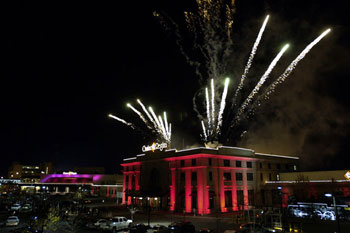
<point>138,228</point>
<point>15,207</point>
<point>26,208</point>
<point>157,228</point>
<point>116,223</point>
<point>12,221</point>
<point>182,227</point>
<point>99,222</point>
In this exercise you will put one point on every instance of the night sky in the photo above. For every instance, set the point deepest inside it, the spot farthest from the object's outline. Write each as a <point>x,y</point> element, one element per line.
<point>67,65</point>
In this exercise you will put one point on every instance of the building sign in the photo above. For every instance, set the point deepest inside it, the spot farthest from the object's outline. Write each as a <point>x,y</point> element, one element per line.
<point>69,173</point>
<point>155,146</point>
<point>347,175</point>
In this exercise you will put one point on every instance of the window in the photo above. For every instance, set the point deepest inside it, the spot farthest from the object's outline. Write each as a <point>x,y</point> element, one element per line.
<point>250,176</point>
<point>182,177</point>
<point>260,165</point>
<point>210,176</point>
<point>250,197</point>
<point>194,176</point>
<point>228,198</point>
<point>261,177</point>
<point>126,168</point>
<point>278,166</point>
<point>238,163</point>
<point>226,163</point>
<point>294,167</point>
<point>287,166</point>
<point>239,176</point>
<point>182,163</point>
<point>240,198</point>
<point>133,181</point>
<point>227,176</point>
<point>209,161</point>
<point>194,162</point>
<point>249,164</point>
<point>278,177</point>
<point>270,177</point>
<point>269,165</point>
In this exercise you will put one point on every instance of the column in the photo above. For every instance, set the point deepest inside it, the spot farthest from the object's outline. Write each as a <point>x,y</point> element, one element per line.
<point>137,180</point>
<point>107,191</point>
<point>234,191</point>
<point>188,191</point>
<point>124,188</point>
<point>130,188</point>
<point>245,190</point>
<point>172,190</point>
<point>222,191</point>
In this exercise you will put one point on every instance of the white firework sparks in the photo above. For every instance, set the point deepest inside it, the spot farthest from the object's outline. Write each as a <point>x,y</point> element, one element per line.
<point>163,129</point>
<point>139,114</point>
<point>294,63</point>
<point>260,83</point>
<point>121,120</point>
<point>222,106</point>
<point>213,102</point>
<point>204,132</point>
<point>250,60</point>
<point>208,107</point>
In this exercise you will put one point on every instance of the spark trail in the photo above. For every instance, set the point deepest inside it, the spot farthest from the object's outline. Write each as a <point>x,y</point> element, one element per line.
<point>260,83</point>
<point>208,108</point>
<point>121,120</point>
<point>292,65</point>
<point>160,127</point>
<point>250,60</point>
<point>139,114</point>
<point>222,106</point>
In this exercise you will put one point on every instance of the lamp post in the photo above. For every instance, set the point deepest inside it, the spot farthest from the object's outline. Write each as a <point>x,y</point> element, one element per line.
<point>335,209</point>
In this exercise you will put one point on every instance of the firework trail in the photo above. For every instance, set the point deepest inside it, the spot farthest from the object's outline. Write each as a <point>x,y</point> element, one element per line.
<point>121,120</point>
<point>260,83</point>
<point>163,131</point>
<point>213,101</point>
<point>292,65</point>
<point>208,107</point>
<point>204,132</point>
<point>162,127</point>
<point>147,113</point>
<point>222,106</point>
<point>250,60</point>
<point>139,114</point>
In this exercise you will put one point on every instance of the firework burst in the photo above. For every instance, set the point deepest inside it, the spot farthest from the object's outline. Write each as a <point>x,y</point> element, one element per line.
<point>211,28</point>
<point>157,125</point>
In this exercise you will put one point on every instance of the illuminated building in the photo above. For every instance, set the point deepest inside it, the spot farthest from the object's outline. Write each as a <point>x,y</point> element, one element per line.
<point>204,179</point>
<point>29,173</point>
<point>309,187</point>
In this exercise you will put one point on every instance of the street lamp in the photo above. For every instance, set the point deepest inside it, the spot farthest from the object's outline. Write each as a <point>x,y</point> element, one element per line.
<point>335,209</point>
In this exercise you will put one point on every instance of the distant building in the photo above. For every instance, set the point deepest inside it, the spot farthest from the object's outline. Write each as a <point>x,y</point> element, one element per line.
<point>89,170</point>
<point>29,173</point>
<point>91,184</point>
<point>202,179</point>
<point>310,187</point>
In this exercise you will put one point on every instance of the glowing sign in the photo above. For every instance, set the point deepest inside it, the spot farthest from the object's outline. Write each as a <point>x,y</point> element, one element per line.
<point>69,173</point>
<point>347,175</point>
<point>155,146</point>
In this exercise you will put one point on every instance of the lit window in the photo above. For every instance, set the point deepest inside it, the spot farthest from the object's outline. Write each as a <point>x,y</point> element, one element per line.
<point>278,177</point>
<point>295,167</point>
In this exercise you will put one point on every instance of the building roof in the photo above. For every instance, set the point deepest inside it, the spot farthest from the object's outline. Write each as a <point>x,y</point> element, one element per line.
<point>208,152</point>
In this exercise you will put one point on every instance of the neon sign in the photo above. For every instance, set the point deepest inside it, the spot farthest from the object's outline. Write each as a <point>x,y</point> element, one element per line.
<point>347,175</point>
<point>155,146</point>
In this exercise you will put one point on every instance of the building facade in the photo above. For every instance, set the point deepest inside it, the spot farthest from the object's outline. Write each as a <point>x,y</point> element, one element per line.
<point>29,173</point>
<point>201,180</point>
